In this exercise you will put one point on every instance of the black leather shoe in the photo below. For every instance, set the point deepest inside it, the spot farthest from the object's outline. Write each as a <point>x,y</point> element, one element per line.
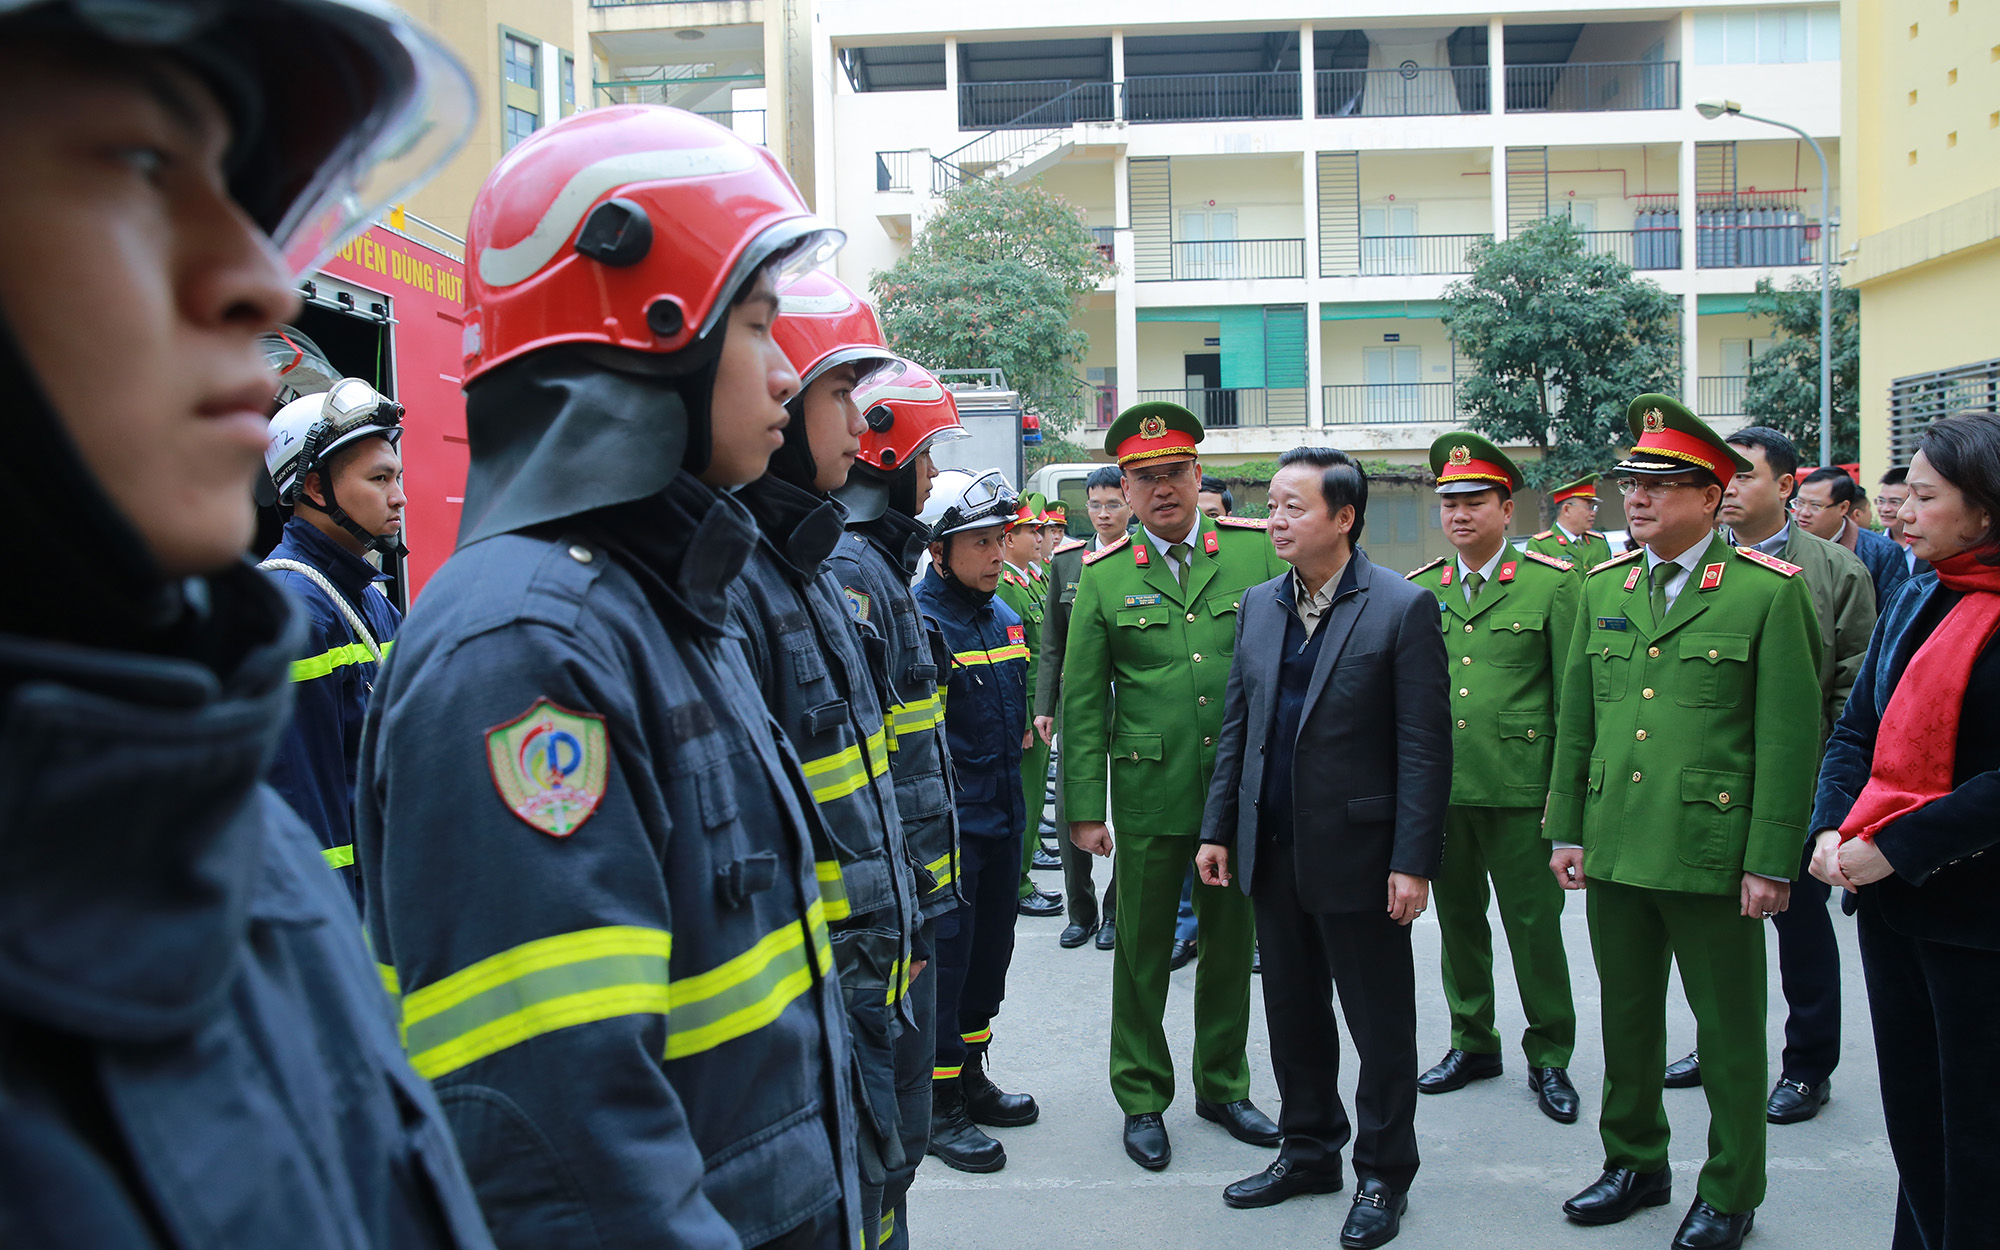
<point>1076,935</point>
<point>1042,903</point>
<point>1618,1193</point>
<point>1794,1101</point>
<point>1257,961</point>
<point>1684,1073</point>
<point>988,1104</point>
<point>1244,1122</point>
<point>1376,1217</point>
<point>1706,1228</point>
<point>1183,955</point>
<point>1046,860</point>
<point>1555,1094</point>
<point>1146,1141</point>
<point>955,1139</point>
<point>1458,1069</point>
<point>1278,1182</point>
<point>1107,935</point>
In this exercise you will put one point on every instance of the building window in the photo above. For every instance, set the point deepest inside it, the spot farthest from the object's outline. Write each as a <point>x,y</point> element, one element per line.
<point>568,84</point>
<point>522,107</point>
<point>519,60</point>
<point>1767,36</point>
<point>520,123</point>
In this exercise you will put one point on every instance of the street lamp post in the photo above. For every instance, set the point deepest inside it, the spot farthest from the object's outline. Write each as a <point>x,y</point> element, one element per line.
<point>1712,109</point>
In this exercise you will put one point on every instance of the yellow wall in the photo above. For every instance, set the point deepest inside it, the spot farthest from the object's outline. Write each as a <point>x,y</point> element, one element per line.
<point>1932,317</point>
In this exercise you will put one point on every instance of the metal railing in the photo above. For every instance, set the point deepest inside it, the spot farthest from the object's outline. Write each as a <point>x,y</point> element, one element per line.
<point>1751,238</point>
<point>746,122</point>
<point>1107,238</point>
<point>1104,405</point>
<point>1003,144</point>
<point>1650,248</point>
<point>1409,92</point>
<point>1212,97</point>
<point>1020,105</point>
<point>1224,259</point>
<point>1394,403</point>
<point>1222,407</point>
<point>1593,87</point>
<point>892,171</point>
<point>1400,254</point>
<point>1721,396</point>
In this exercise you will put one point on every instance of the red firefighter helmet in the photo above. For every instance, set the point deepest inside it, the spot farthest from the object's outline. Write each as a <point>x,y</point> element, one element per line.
<point>823,322</point>
<point>908,411</point>
<point>632,227</point>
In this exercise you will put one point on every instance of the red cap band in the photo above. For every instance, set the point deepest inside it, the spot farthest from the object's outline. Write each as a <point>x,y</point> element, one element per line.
<point>1588,491</point>
<point>1171,443</point>
<point>1675,445</point>
<point>1476,470</point>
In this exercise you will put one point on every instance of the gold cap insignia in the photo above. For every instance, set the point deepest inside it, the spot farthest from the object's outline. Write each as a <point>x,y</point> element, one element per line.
<point>1461,454</point>
<point>1152,426</point>
<point>1655,421</point>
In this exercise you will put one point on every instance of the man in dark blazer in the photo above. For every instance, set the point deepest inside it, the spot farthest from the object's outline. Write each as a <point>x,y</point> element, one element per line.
<point>1332,774</point>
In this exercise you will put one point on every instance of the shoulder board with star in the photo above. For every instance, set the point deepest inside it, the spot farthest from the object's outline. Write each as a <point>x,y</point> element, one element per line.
<point>1545,534</point>
<point>1094,556</point>
<point>1551,561</point>
<point>1772,563</point>
<point>1621,558</point>
<point>1067,545</point>
<point>1597,534</point>
<point>1242,522</point>
<point>1414,574</point>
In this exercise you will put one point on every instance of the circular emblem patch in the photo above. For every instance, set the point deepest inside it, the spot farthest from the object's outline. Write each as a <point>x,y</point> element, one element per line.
<point>549,765</point>
<point>1655,421</point>
<point>1461,454</point>
<point>1152,427</point>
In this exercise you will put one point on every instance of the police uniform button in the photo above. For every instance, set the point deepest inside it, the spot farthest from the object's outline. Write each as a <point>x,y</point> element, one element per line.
<point>1468,629</point>
<point>1654,652</point>
<point>1208,742</point>
<point>1236,604</point>
<point>1638,776</point>
<point>1531,735</point>
<point>1647,693</point>
<point>1466,660</point>
<point>1517,627</point>
<point>1142,620</point>
<point>581,555</point>
<point>1203,700</point>
<point>1723,798</point>
<point>1462,692</point>
<point>1641,735</point>
<point>1190,616</point>
<point>1713,654</point>
<point>1135,757</point>
<point>1197,657</point>
<point>1461,724</point>
<point>1606,653</point>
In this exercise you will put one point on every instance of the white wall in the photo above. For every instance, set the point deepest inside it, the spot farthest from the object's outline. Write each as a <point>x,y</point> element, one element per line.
<point>1450,190</point>
<point>1162,346</point>
<point>1340,344</point>
<point>1264,191</point>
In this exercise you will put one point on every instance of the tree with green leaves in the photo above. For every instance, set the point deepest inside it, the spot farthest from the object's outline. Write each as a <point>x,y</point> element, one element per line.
<point>992,282</point>
<point>1783,390</point>
<point>1559,341</point>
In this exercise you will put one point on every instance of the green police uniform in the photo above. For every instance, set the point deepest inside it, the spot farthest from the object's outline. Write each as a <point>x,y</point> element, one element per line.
<point>1164,646</point>
<point>1018,593</point>
<point>1586,550</point>
<point>1683,762</point>
<point>1508,646</point>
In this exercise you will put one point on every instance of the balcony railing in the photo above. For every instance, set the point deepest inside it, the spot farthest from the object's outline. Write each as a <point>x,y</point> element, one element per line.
<point>1651,248</point>
<point>1396,403</point>
<point>1406,254</point>
<point>1212,97</point>
<point>1104,404</point>
<point>746,122</point>
<point>1231,407</point>
<point>1726,238</point>
<point>1721,396</point>
<point>892,171</point>
<point>1023,105</point>
<point>1226,259</point>
<point>1409,92</point>
<point>1593,87</point>
<point>1106,237</point>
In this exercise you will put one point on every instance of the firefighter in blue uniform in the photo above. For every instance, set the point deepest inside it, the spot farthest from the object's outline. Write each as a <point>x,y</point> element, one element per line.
<point>906,413</point>
<point>194,1047</point>
<point>805,648</point>
<point>347,432</point>
<point>587,849</point>
<point>986,723</point>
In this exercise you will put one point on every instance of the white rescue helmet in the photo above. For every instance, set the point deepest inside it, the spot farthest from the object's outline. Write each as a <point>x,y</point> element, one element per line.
<point>312,427</point>
<point>961,501</point>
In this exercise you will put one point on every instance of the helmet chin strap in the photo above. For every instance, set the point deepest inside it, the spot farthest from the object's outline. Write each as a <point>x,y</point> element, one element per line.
<point>390,545</point>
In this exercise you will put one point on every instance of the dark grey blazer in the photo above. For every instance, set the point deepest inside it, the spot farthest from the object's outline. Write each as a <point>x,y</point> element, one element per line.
<point>1371,774</point>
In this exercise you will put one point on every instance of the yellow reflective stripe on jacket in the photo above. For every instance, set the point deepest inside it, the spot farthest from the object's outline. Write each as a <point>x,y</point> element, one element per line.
<point>888,1228</point>
<point>832,890</point>
<point>899,981</point>
<point>998,655</point>
<point>339,657</point>
<point>838,775</point>
<point>339,856</point>
<point>909,718</point>
<point>943,869</point>
<point>749,991</point>
<point>536,988</point>
<point>390,981</point>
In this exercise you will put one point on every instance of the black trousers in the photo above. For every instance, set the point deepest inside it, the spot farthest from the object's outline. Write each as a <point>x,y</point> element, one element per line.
<point>1936,1015</point>
<point>975,946</point>
<point>1809,969</point>
<point>1367,955</point>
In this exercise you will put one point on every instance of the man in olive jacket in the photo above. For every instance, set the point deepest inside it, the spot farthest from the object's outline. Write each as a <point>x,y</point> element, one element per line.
<point>1682,782</point>
<point>1155,620</point>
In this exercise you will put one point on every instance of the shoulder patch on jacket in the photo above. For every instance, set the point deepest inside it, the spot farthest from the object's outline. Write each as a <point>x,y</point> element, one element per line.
<point>859,602</point>
<point>1414,574</point>
<point>1544,534</point>
<point>1772,563</point>
<point>1068,544</point>
<point>549,765</point>
<point>1243,522</point>
<point>1618,559</point>
<point>1551,561</point>
<point>1094,556</point>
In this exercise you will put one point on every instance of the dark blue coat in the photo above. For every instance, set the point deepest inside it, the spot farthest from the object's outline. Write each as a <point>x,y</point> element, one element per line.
<point>1888,563</point>
<point>1947,874</point>
<point>985,704</point>
<point>332,676</point>
<point>195,1049</point>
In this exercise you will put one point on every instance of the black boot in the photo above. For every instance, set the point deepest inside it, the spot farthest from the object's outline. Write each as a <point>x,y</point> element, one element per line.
<point>957,1140</point>
<point>986,1103</point>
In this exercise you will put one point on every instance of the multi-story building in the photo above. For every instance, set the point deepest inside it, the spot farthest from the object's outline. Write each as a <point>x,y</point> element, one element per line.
<point>1921,101</point>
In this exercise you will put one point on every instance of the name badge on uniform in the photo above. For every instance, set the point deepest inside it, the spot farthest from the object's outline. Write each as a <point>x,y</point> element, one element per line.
<point>1208,542</point>
<point>1632,578</point>
<point>1142,601</point>
<point>1618,623</point>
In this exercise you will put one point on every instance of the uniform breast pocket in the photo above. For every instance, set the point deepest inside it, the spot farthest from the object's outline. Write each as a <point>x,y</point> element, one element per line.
<point>1143,637</point>
<point>807,664</point>
<point>1714,670</point>
<point>1524,741</point>
<point>1610,664</point>
<point>1715,818</point>
<point>1516,639</point>
<point>1135,772</point>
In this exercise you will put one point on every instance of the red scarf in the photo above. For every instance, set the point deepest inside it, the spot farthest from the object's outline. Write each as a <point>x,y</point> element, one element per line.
<point>1916,747</point>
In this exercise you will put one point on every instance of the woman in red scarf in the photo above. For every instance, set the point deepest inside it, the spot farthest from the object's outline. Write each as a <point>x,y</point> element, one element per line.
<point>1907,813</point>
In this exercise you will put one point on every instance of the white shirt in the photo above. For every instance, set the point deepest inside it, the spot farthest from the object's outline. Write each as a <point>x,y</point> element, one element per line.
<point>1486,571</point>
<point>1160,545</point>
<point>1566,534</point>
<point>1684,564</point>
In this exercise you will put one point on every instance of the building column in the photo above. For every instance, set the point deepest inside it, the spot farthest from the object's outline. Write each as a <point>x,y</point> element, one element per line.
<point>1308,89</point>
<point>1118,76</point>
<point>1124,313</point>
<point>951,74</point>
<point>1496,65</point>
<point>1691,302</point>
